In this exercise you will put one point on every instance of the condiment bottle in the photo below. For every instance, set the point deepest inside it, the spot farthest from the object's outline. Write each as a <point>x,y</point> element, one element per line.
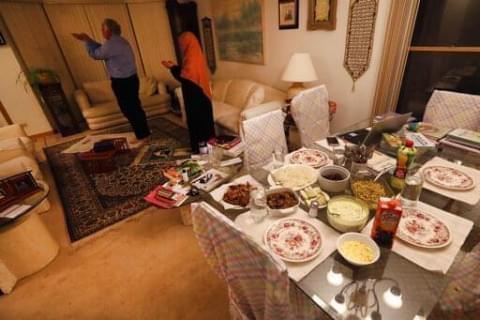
<point>313,212</point>
<point>185,175</point>
<point>405,157</point>
<point>387,217</point>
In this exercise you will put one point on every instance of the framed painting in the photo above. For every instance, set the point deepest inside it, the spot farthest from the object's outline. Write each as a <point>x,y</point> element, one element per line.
<point>322,14</point>
<point>288,14</point>
<point>239,30</point>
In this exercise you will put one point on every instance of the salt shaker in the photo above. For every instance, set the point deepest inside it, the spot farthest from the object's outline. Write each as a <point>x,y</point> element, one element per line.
<point>185,175</point>
<point>313,212</point>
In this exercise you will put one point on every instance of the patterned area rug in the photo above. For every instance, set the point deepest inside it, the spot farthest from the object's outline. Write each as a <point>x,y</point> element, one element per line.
<point>93,202</point>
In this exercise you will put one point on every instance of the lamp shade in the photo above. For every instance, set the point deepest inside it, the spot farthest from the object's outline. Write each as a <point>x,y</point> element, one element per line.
<point>300,69</point>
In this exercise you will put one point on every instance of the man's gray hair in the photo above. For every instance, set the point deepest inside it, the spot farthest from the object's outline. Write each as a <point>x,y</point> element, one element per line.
<point>113,26</point>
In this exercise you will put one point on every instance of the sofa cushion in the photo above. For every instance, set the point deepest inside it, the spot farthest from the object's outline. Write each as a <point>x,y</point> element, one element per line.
<point>153,100</point>
<point>230,119</point>
<point>102,109</point>
<point>219,89</point>
<point>256,97</point>
<point>148,86</point>
<point>99,91</point>
<point>239,92</point>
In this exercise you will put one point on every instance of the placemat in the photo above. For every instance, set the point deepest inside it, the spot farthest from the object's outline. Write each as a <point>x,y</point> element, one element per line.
<point>440,259</point>
<point>470,196</point>
<point>296,271</point>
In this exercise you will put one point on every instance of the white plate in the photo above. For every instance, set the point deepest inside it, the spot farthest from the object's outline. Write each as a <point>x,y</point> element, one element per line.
<point>218,193</point>
<point>309,157</point>
<point>423,230</point>
<point>448,178</point>
<point>294,240</point>
<point>310,172</point>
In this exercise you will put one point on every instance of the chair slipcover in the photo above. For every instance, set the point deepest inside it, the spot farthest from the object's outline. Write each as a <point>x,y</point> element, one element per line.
<point>453,110</point>
<point>262,135</point>
<point>310,111</point>
<point>257,281</point>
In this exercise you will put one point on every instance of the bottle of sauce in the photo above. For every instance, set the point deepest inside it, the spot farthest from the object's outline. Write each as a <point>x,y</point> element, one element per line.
<point>405,157</point>
<point>387,217</point>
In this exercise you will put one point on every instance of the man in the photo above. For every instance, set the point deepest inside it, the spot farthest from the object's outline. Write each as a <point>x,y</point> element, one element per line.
<point>120,62</point>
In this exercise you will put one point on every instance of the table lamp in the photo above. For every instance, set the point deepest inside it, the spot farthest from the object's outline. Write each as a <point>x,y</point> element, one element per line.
<point>299,69</point>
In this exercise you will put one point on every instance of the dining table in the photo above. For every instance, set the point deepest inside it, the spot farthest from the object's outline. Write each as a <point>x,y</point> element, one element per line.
<point>393,287</point>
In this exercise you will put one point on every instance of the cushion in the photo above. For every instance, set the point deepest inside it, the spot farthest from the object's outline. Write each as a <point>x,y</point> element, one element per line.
<point>99,91</point>
<point>220,109</point>
<point>219,89</point>
<point>230,120</point>
<point>239,92</point>
<point>256,98</point>
<point>153,100</point>
<point>261,109</point>
<point>148,86</point>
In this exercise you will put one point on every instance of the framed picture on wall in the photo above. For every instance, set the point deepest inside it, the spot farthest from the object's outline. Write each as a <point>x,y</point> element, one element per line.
<point>322,14</point>
<point>288,14</point>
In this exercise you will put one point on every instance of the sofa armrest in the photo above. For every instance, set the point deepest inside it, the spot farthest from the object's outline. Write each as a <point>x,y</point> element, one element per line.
<point>162,88</point>
<point>261,109</point>
<point>12,131</point>
<point>82,99</point>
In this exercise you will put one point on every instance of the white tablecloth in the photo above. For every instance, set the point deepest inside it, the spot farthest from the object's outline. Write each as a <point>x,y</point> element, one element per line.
<point>440,259</point>
<point>296,271</point>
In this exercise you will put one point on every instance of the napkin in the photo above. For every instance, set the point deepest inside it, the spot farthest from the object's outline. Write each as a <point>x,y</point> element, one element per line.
<point>218,193</point>
<point>296,271</point>
<point>440,259</point>
<point>470,197</point>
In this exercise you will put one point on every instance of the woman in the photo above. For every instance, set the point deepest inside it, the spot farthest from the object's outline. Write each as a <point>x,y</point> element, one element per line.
<point>196,90</point>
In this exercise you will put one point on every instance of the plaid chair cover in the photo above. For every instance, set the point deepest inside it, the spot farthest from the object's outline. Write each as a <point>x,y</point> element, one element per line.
<point>461,298</point>
<point>453,110</point>
<point>310,111</point>
<point>258,282</point>
<point>261,135</point>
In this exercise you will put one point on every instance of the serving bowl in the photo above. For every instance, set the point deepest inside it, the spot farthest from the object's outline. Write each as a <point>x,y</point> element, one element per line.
<point>333,185</point>
<point>347,214</point>
<point>364,239</point>
<point>284,211</point>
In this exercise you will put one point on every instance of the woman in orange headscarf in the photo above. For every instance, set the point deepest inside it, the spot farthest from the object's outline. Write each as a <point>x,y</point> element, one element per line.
<point>196,90</point>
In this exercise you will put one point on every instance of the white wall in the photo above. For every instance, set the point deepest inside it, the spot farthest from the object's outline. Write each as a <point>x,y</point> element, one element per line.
<point>327,49</point>
<point>18,99</point>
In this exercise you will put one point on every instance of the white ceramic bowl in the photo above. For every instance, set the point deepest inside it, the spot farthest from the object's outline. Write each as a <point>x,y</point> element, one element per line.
<point>354,236</point>
<point>333,185</point>
<point>347,225</point>
<point>282,212</point>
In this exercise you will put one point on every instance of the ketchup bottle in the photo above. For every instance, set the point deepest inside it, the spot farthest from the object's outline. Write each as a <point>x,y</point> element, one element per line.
<point>387,217</point>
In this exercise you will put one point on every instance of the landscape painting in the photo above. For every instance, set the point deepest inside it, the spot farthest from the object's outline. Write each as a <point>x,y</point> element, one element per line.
<point>239,30</point>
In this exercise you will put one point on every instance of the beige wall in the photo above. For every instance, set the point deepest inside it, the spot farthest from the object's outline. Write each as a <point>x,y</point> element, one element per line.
<point>327,50</point>
<point>17,96</point>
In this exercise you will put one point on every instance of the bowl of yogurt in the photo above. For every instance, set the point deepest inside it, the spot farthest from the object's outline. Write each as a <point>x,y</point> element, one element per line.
<point>347,214</point>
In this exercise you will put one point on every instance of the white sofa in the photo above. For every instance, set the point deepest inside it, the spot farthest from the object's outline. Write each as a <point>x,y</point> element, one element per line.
<point>100,109</point>
<point>233,97</point>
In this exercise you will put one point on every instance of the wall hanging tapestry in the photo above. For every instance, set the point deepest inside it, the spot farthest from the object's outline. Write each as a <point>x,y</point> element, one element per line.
<point>360,31</point>
<point>239,30</point>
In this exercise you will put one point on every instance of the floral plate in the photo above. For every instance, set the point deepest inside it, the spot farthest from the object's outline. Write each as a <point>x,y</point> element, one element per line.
<point>448,178</point>
<point>423,230</point>
<point>294,240</point>
<point>310,157</point>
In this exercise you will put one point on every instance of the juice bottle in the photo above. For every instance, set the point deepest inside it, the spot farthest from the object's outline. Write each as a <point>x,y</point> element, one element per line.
<point>405,157</point>
<point>387,217</point>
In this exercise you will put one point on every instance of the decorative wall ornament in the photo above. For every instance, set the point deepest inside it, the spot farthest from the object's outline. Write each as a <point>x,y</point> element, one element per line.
<point>322,14</point>
<point>288,14</point>
<point>360,30</point>
<point>239,30</point>
<point>208,44</point>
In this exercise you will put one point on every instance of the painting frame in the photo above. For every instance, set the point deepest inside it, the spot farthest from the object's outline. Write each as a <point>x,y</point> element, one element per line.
<point>283,6</point>
<point>329,23</point>
<point>222,43</point>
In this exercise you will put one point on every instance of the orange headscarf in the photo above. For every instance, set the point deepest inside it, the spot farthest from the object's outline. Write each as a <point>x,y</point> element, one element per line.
<point>194,67</point>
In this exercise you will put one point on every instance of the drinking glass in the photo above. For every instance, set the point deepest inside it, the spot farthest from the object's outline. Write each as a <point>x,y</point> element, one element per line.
<point>258,204</point>
<point>278,157</point>
<point>215,156</point>
<point>412,188</point>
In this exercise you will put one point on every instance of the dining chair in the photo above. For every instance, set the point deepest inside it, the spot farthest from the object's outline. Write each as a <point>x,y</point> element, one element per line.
<point>453,110</point>
<point>258,283</point>
<point>262,135</point>
<point>310,111</point>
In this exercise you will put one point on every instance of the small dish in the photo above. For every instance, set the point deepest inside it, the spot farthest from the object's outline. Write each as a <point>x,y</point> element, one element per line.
<point>347,214</point>
<point>364,240</point>
<point>284,211</point>
<point>331,185</point>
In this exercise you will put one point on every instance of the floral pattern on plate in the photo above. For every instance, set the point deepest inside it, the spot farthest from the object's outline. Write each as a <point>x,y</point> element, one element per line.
<point>448,178</point>
<point>309,157</point>
<point>294,240</point>
<point>423,230</point>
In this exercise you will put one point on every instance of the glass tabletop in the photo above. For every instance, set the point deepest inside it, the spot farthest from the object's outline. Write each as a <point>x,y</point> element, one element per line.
<point>391,288</point>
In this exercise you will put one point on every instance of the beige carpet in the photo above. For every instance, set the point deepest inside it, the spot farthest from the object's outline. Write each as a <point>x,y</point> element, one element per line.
<point>147,267</point>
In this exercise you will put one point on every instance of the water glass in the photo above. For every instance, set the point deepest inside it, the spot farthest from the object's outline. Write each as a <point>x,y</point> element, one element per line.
<point>278,156</point>
<point>258,204</point>
<point>412,188</point>
<point>215,156</point>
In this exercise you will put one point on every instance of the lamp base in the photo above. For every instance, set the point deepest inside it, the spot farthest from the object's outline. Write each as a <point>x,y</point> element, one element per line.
<point>295,89</point>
